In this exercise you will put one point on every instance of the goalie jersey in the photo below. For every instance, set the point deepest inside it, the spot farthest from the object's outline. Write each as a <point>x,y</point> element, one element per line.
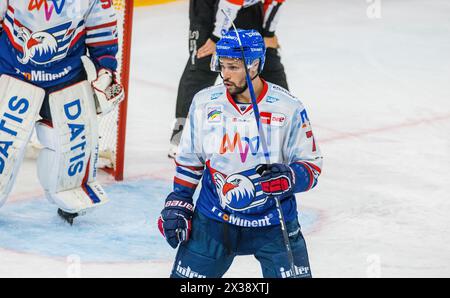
<point>221,147</point>
<point>41,41</point>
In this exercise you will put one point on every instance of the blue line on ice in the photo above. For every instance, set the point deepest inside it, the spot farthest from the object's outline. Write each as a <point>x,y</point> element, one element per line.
<point>124,230</point>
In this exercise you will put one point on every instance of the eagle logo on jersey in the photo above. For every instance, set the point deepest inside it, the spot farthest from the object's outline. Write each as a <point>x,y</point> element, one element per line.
<point>42,47</point>
<point>235,191</point>
<point>38,47</point>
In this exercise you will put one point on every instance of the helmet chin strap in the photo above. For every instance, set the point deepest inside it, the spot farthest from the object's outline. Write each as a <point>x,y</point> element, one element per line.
<point>245,87</point>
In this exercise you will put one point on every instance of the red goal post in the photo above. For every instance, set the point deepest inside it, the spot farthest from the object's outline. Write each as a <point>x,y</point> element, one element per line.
<point>112,127</point>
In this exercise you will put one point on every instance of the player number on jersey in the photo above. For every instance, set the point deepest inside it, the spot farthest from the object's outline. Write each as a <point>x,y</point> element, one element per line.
<point>106,3</point>
<point>309,134</point>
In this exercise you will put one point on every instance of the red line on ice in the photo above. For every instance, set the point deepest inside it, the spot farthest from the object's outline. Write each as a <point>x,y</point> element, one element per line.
<point>357,134</point>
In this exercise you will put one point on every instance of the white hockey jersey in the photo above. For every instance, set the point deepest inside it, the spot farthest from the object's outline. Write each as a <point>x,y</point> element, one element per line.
<point>42,40</point>
<point>221,147</point>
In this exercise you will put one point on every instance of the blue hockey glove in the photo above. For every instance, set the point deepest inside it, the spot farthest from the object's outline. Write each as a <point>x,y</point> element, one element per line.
<point>277,179</point>
<point>174,223</point>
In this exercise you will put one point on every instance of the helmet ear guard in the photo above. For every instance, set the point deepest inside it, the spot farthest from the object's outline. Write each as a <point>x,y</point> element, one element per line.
<point>215,63</point>
<point>254,63</point>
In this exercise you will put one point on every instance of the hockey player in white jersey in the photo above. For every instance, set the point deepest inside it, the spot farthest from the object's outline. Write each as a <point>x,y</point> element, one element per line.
<point>235,213</point>
<point>206,25</point>
<point>41,74</point>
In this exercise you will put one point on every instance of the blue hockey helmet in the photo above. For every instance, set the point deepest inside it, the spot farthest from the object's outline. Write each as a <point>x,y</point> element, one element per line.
<point>228,47</point>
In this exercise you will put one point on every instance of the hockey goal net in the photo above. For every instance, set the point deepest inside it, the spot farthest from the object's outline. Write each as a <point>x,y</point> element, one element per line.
<point>112,127</point>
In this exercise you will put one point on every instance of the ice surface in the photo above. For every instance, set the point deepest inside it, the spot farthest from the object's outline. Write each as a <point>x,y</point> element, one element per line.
<point>378,92</point>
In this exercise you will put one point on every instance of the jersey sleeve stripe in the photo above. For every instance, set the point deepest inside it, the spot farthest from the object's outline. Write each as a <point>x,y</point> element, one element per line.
<point>106,57</point>
<point>111,24</point>
<point>184,183</point>
<point>236,2</point>
<point>310,173</point>
<point>6,27</point>
<point>187,178</point>
<point>313,166</point>
<point>77,38</point>
<point>102,43</point>
<point>183,172</point>
<point>193,168</point>
<point>97,35</point>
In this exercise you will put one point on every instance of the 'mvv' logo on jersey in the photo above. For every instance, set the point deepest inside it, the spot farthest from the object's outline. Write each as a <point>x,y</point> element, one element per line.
<point>243,145</point>
<point>49,6</point>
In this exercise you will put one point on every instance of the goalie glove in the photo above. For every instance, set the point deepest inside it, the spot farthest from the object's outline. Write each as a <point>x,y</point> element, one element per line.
<point>108,92</point>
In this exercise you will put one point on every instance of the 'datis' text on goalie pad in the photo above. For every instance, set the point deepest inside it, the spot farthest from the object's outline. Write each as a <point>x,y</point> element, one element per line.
<point>20,103</point>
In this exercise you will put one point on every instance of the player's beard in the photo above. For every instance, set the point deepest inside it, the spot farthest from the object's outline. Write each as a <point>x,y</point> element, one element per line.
<point>235,89</point>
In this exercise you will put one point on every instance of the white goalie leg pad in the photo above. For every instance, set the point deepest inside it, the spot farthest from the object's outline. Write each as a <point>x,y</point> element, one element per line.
<point>20,103</point>
<point>67,165</point>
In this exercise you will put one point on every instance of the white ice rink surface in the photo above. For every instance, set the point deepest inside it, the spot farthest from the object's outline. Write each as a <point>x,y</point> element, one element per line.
<point>378,95</point>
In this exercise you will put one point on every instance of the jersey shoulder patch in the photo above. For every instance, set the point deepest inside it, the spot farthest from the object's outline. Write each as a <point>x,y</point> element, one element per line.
<point>210,94</point>
<point>284,97</point>
<point>278,89</point>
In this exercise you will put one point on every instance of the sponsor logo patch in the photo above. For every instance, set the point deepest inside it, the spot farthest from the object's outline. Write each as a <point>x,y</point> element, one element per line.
<point>42,76</point>
<point>278,88</point>
<point>242,222</point>
<point>271,99</point>
<point>214,114</point>
<point>274,119</point>
<point>188,272</point>
<point>299,271</point>
<point>215,96</point>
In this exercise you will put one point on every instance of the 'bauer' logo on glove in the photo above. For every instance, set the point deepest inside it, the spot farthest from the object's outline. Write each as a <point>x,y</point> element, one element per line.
<point>175,220</point>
